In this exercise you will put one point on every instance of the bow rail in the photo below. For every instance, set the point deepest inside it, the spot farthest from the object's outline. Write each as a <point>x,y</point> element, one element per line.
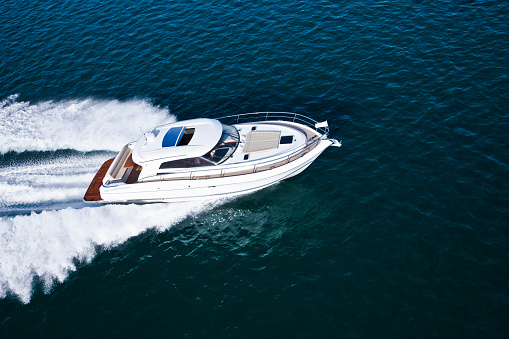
<point>321,127</point>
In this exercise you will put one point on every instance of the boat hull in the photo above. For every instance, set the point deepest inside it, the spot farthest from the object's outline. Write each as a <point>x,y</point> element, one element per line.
<point>210,188</point>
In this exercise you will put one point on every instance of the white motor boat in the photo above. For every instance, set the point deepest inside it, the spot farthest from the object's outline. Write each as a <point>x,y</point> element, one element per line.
<point>211,158</point>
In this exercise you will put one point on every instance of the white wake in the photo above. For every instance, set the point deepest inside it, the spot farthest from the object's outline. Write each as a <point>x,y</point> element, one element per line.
<point>50,180</point>
<point>83,125</point>
<point>46,244</point>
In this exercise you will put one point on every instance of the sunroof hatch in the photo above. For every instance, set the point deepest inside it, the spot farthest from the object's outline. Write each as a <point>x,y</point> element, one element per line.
<point>177,136</point>
<point>186,137</point>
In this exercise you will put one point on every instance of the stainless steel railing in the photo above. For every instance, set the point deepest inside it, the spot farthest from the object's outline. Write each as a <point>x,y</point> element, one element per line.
<point>274,116</point>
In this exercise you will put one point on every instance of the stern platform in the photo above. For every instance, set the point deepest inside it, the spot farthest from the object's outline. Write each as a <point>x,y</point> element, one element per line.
<point>93,193</point>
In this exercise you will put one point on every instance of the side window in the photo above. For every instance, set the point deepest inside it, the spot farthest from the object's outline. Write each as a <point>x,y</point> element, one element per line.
<point>173,164</point>
<point>196,162</point>
<point>185,163</point>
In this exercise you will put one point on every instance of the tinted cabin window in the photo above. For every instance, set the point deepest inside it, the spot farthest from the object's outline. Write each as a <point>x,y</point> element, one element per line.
<point>197,162</point>
<point>225,147</point>
<point>173,164</point>
<point>218,154</point>
<point>185,163</point>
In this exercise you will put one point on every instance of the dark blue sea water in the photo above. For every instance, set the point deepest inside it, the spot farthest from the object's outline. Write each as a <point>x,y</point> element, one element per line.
<point>402,232</point>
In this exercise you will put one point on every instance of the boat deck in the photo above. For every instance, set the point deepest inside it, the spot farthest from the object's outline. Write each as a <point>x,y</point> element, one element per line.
<point>93,193</point>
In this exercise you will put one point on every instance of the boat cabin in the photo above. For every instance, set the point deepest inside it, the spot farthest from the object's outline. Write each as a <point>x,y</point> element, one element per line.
<point>170,150</point>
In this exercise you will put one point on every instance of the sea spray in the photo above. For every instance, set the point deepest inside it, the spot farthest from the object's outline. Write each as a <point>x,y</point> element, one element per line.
<point>51,179</point>
<point>45,245</point>
<point>83,125</point>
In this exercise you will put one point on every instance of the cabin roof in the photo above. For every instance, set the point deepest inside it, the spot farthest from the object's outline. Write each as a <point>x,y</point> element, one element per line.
<point>162,142</point>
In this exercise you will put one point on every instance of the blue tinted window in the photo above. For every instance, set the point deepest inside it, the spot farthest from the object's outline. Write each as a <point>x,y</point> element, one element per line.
<point>173,136</point>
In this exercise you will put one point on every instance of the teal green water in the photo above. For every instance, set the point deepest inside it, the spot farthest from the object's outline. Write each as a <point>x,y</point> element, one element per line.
<point>402,232</point>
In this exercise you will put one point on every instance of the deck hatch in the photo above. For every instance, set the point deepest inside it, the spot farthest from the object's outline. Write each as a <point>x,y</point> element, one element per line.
<point>286,139</point>
<point>173,136</point>
<point>186,137</point>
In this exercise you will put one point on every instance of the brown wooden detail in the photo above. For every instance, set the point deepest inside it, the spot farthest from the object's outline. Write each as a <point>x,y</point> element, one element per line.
<point>93,193</point>
<point>271,166</point>
<point>210,176</point>
<point>129,162</point>
<point>135,174</point>
<point>231,174</point>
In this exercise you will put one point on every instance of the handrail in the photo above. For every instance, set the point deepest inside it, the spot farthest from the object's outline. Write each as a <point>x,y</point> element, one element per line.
<point>277,116</point>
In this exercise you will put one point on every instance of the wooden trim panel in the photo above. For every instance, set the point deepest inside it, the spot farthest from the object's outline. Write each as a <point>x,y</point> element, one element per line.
<point>93,193</point>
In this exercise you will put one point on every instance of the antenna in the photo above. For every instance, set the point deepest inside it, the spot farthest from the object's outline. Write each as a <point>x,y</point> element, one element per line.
<point>143,134</point>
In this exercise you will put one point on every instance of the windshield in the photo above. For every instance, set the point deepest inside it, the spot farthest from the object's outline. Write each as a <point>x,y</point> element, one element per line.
<point>225,147</point>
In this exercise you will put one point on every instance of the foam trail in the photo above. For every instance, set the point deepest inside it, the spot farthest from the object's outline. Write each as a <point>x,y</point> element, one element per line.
<point>83,125</point>
<point>45,244</point>
<point>48,180</point>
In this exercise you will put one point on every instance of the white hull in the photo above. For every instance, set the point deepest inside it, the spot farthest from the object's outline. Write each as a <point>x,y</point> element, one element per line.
<point>201,159</point>
<point>211,188</point>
